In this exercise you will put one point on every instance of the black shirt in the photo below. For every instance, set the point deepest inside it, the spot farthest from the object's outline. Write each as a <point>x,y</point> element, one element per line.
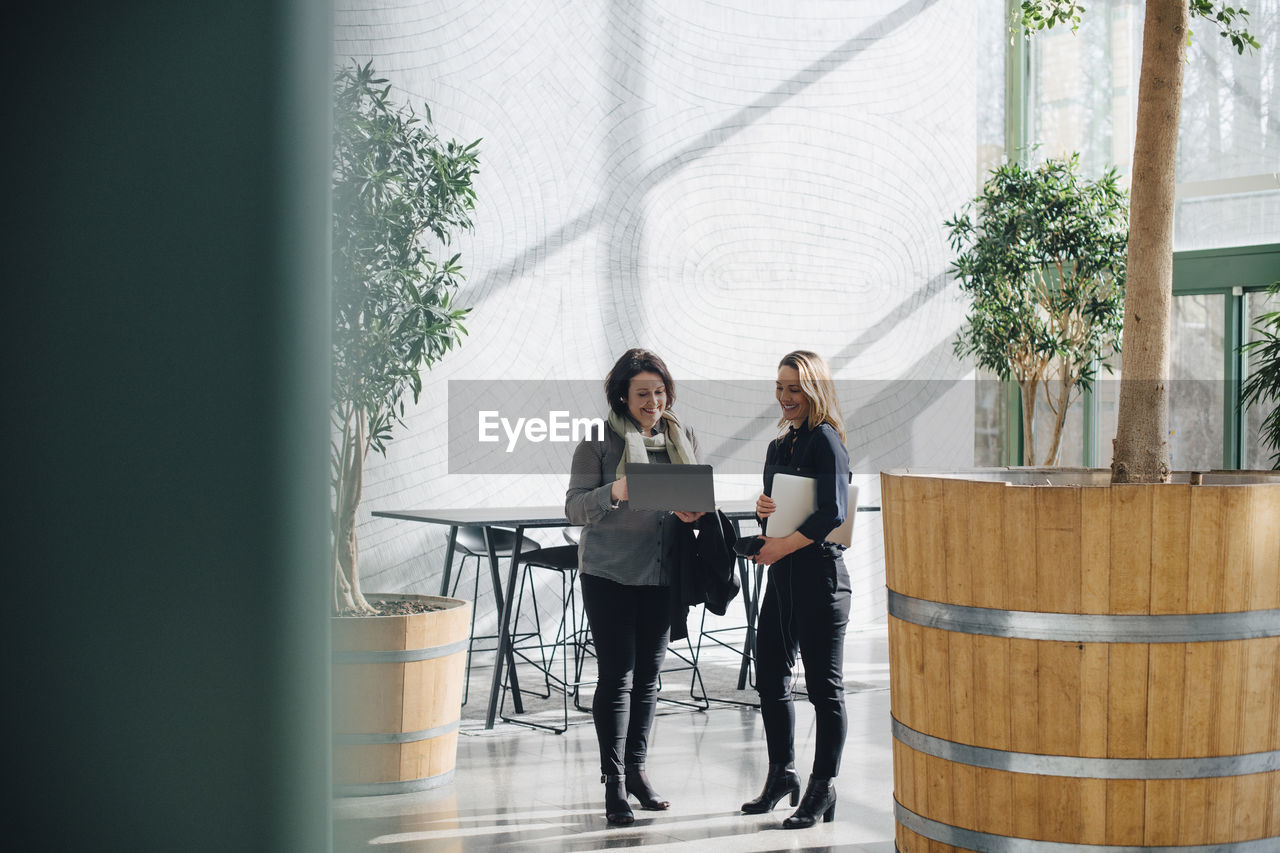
<point>820,454</point>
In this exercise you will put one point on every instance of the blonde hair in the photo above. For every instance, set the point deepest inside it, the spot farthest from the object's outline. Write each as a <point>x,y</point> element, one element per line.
<point>818,388</point>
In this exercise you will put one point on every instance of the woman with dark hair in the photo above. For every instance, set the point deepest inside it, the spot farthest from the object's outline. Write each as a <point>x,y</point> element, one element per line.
<point>806,605</point>
<point>622,572</point>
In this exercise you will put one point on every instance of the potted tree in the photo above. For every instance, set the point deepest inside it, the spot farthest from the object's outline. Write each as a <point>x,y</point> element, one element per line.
<point>1042,260</point>
<point>399,195</point>
<point>1091,657</point>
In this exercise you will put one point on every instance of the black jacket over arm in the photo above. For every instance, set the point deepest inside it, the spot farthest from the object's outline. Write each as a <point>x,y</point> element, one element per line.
<point>702,569</point>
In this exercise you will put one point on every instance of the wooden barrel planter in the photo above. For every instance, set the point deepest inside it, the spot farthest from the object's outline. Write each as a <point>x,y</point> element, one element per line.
<point>1075,663</point>
<point>397,698</point>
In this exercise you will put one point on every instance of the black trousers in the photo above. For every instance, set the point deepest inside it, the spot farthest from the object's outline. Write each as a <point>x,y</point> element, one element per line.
<point>806,609</point>
<point>630,626</point>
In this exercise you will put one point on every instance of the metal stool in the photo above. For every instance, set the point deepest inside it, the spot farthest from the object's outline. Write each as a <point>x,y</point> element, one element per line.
<point>688,661</point>
<point>571,634</point>
<point>471,542</point>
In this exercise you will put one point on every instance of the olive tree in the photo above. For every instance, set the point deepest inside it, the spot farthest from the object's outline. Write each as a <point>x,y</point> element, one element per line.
<point>399,196</point>
<point>1141,453</point>
<point>1042,260</point>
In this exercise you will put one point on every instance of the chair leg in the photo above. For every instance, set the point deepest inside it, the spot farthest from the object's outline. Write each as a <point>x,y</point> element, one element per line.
<point>567,601</point>
<point>526,577</point>
<point>471,641</point>
<point>581,651</point>
<point>537,628</point>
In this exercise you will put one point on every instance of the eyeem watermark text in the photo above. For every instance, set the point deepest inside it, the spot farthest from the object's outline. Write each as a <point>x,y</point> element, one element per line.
<point>557,427</point>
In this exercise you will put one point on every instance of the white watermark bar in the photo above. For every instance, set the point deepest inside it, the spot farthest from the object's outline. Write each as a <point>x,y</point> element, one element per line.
<point>522,427</point>
<point>518,427</point>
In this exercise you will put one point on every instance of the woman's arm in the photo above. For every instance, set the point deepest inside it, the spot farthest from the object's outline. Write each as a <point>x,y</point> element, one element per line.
<point>764,504</point>
<point>588,498</point>
<point>831,482</point>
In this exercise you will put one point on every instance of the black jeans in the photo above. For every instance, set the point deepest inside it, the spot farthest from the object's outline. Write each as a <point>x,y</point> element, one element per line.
<point>805,608</point>
<point>630,626</point>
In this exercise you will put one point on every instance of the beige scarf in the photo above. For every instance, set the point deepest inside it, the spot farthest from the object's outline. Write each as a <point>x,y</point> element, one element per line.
<point>636,447</point>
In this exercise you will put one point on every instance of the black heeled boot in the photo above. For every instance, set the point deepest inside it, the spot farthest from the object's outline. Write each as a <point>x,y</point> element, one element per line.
<point>638,786</point>
<point>819,799</point>
<point>616,810</point>
<point>782,780</point>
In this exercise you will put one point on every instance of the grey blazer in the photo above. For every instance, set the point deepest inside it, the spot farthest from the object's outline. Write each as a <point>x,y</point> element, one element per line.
<point>617,543</point>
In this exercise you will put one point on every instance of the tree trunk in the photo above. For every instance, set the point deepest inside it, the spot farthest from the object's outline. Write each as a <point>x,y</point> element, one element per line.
<point>1028,390</point>
<point>1141,447</point>
<point>1063,404</point>
<point>346,565</point>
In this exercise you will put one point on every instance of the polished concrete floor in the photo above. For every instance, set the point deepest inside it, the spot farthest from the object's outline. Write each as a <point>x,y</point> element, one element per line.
<point>523,789</point>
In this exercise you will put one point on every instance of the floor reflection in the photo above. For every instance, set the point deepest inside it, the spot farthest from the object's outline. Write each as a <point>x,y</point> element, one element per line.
<point>517,788</point>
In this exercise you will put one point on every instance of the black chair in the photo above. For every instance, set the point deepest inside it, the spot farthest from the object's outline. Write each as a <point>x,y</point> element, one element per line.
<point>572,638</point>
<point>470,541</point>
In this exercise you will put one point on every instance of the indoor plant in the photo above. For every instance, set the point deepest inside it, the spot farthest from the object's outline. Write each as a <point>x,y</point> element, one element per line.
<point>1042,260</point>
<point>395,186</point>
<point>1084,658</point>
<point>399,195</point>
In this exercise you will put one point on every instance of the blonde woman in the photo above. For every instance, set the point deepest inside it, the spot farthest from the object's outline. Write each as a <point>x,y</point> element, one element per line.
<point>806,604</point>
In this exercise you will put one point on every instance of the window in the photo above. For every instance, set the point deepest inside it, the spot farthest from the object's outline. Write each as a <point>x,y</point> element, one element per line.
<point>1196,348</point>
<point>1079,93</point>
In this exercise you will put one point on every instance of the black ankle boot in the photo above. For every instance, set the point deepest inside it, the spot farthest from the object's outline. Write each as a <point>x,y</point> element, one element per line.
<point>782,780</point>
<point>819,799</point>
<point>638,786</point>
<point>616,810</point>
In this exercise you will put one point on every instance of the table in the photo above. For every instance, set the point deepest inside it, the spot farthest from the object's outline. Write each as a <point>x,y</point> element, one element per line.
<point>529,518</point>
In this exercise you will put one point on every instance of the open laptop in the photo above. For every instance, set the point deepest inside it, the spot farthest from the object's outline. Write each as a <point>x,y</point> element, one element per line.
<point>670,486</point>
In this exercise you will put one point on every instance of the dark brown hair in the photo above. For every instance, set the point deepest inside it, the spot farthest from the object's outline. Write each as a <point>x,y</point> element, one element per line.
<point>617,385</point>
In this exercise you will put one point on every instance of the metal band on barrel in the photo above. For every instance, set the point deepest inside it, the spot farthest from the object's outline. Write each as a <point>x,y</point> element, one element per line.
<point>400,655</point>
<point>1079,767</point>
<point>373,789</point>
<point>367,739</point>
<point>1087,627</point>
<point>970,839</point>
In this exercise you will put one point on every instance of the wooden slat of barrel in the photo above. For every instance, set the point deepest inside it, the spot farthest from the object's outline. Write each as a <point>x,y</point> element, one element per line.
<point>1129,565</point>
<point>1095,550</point>
<point>1018,539</point>
<point>1124,700</point>
<point>1170,537</point>
<point>1207,583</point>
<point>1266,551</point>
<point>985,543</point>
<point>1057,549</point>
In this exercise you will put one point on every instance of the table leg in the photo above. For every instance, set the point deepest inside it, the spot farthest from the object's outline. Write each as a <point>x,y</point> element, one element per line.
<point>506,603</point>
<point>751,604</point>
<point>448,559</point>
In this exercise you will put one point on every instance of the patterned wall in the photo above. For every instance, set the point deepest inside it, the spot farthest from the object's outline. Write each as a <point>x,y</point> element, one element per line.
<point>720,182</point>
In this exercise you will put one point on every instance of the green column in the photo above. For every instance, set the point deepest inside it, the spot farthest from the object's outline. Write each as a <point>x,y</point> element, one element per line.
<point>1232,375</point>
<point>1017,134</point>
